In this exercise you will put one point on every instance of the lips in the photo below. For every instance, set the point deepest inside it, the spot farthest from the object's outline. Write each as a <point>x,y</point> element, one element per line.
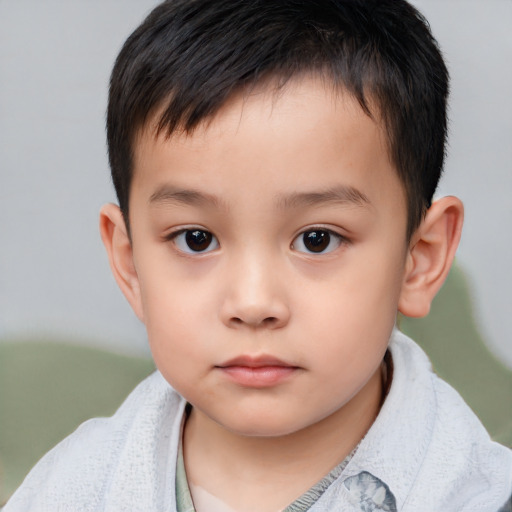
<point>255,362</point>
<point>257,372</point>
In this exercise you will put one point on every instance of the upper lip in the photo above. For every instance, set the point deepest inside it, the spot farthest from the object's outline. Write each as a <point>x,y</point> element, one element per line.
<point>259,361</point>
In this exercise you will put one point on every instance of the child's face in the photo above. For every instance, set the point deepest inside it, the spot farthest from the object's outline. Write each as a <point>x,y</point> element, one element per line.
<point>269,248</point>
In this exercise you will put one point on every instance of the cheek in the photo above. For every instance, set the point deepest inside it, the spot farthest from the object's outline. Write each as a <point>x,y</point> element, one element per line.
<point>354,311</point>
<point>375,280</point>
<point>175,317</point>
<point>174,293</point>
<point>356,292</point>
<point>179,353</point>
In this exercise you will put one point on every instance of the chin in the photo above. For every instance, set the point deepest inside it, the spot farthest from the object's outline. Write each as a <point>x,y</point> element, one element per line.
<point>260,425</point>
<point>267,431</point>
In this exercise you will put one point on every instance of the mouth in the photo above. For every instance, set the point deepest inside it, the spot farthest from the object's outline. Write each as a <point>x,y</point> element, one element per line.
<point>257,372</point>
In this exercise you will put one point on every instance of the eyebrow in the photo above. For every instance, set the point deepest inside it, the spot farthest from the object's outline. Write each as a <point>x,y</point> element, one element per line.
<point>340,194</point>
<point>170,194</point>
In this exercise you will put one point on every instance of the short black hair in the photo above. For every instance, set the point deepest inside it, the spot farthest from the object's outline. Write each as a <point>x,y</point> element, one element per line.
<point>189,57</point>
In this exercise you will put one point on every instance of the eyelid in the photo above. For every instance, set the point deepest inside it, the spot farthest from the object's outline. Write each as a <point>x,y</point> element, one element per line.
<point>174,232</point>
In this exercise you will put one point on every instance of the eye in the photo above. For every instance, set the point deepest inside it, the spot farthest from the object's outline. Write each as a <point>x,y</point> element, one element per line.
<point>317,241</point>
<point>194,240</point>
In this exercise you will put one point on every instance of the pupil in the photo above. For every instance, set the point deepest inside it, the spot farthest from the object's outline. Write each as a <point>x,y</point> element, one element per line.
<point>316,241</point>
<point>198,240</point>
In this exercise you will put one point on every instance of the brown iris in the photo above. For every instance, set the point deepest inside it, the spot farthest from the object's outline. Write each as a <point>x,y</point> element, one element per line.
<point>198,240</point>
<point>316,241</point>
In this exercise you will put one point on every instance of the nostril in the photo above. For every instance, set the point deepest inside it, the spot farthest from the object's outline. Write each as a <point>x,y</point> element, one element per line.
<point>270,322</point>
<point>266,322</point>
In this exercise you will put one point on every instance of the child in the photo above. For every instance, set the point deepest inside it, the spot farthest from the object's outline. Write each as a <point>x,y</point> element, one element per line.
<point>275,163</point>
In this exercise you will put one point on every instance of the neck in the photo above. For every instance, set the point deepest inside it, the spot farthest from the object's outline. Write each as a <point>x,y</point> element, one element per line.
<point>270,472</point>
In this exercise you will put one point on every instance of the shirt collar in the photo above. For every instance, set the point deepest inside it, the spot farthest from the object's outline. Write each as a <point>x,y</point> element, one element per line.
<point>394,448</point>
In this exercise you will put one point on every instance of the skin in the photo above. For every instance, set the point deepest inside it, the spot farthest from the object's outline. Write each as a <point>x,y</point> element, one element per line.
<point>265,170</point>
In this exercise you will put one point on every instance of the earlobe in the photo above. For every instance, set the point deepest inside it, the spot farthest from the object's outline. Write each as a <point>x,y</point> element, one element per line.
<point>430,256</point>
<point>119,249</point>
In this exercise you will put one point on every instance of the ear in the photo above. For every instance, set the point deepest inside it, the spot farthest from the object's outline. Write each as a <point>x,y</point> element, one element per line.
<point>430,256</point>
<point>119,249</point>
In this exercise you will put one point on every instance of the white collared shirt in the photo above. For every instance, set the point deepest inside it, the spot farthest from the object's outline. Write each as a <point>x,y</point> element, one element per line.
<point>426,447</point>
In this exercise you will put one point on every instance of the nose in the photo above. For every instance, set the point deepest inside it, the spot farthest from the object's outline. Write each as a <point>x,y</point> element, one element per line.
<point>255,296</point>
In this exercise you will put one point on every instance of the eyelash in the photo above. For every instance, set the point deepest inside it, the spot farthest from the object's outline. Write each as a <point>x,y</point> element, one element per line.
<point>317,237</point>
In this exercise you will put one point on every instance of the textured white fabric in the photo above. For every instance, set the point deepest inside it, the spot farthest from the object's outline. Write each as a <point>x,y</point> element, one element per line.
<point>426,446</point>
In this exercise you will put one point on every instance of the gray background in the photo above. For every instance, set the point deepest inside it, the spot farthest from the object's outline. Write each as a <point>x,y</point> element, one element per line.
<point>55,60</point>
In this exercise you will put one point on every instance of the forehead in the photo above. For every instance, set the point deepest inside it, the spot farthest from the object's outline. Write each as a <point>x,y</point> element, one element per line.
<point>306,135</point>
<point>293,93</point>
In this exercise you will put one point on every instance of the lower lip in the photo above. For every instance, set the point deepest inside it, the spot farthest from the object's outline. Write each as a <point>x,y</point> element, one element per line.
<point>258,377</point>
